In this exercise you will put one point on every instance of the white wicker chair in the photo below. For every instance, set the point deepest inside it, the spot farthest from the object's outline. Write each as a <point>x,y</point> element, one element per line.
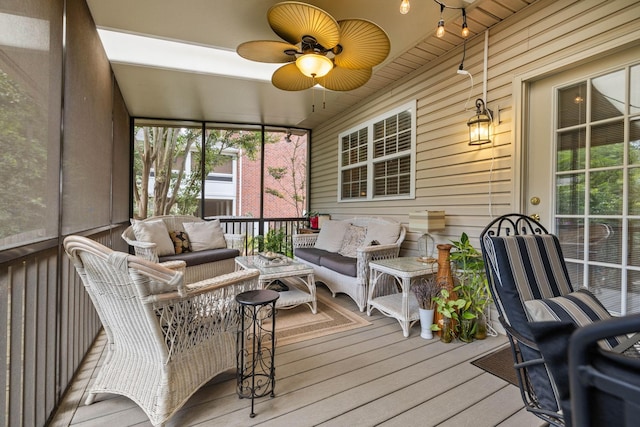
<point>166,338</point>
<point>193,273</point>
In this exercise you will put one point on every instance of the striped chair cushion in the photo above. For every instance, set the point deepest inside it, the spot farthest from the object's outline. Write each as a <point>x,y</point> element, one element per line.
<point>526,267</point>
<point>580,308</point>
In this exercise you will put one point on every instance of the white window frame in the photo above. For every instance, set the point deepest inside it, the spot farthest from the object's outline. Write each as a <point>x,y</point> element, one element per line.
<point>370,162</point>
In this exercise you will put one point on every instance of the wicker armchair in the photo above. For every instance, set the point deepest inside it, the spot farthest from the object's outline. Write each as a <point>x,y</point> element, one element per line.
<point>166,338</point>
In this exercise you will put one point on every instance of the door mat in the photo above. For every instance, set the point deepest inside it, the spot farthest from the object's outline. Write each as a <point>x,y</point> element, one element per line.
<point>499,363</point>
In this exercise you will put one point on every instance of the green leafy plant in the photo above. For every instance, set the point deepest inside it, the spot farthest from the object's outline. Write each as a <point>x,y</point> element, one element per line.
<point>274,241</point>
<point>466,258</point>
<point>448,308</point>
<point>472,286</point>
<point>311,214</point>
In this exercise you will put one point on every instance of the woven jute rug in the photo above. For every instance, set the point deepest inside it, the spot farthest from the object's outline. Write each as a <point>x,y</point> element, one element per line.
<point>299,324</point>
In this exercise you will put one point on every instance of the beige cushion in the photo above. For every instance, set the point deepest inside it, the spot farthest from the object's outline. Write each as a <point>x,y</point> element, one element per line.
<point>205,235</point>
<point>580,307</point>
<point>154,231</point>
<point>385,234</point>
<point>352,241</point>
<point>331,235</point>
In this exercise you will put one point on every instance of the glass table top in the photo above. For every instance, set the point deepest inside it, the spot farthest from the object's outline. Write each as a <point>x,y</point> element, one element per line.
<point>407,264</point>
<point>265,267</point>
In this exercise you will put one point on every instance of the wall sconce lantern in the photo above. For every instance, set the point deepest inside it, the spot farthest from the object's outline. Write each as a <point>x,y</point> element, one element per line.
<point>479,124</point>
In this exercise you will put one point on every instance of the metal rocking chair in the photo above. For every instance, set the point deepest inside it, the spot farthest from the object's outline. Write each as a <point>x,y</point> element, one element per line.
<point>539,309</point>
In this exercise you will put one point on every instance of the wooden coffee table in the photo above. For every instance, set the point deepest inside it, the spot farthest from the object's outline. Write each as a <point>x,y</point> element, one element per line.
<point>298,277</point>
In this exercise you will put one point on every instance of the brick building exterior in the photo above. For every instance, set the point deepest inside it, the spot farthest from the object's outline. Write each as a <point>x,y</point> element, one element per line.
<point>290,157</point>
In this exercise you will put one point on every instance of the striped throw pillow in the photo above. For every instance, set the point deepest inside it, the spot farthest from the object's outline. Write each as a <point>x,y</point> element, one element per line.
<point>580,308</point>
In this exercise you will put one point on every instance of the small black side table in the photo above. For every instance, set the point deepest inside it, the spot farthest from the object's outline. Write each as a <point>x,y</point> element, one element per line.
<point>256,345</point>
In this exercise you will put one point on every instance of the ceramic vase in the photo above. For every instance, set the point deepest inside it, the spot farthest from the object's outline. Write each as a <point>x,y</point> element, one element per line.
<point>426,320</point>
<point>444,277</point>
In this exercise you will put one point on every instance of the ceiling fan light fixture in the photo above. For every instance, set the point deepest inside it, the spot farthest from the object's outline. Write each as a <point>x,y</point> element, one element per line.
<point>317,49</point>
<point>314,65</point>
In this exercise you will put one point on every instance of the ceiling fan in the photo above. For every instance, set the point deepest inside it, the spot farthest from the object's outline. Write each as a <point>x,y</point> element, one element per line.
<point>338,55</point>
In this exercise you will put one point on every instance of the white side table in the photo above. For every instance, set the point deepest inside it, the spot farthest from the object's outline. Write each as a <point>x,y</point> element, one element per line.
<point>402,306</point>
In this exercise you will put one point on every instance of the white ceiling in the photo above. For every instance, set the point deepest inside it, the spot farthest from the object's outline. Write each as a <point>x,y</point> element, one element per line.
<point>173,94</point>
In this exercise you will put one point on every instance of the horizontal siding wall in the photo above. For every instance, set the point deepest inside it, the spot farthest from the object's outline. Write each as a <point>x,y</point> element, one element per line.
<point>472,184</point>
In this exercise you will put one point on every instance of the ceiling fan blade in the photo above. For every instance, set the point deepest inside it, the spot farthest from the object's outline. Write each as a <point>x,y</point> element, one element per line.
<point>288,77</point>
<point>266,51</point>
<point>364,44</point>
<point>344,79</point>
<point>291,20</point>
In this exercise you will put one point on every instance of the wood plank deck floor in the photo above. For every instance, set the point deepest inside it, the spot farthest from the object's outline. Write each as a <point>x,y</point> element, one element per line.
<point>371,376</point>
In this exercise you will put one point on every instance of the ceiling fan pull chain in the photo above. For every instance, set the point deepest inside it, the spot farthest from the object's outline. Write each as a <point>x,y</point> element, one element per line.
<point>313,95</point>
<point>324,91</point>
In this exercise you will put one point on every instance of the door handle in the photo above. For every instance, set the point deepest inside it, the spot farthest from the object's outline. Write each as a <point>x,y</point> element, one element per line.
<point>535,216</point>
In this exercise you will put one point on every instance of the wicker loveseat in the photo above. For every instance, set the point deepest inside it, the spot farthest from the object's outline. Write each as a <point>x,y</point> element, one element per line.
<point>200,264</point>
<point>341,252</point>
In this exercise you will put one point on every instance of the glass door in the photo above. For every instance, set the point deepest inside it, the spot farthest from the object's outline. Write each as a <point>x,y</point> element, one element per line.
<point>593,157</point>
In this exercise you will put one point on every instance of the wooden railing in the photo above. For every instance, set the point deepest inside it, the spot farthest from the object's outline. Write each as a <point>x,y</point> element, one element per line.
<point>48,325</point>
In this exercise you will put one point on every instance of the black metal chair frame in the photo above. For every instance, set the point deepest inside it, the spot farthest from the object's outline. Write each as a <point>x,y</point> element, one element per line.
<point>588,375</point>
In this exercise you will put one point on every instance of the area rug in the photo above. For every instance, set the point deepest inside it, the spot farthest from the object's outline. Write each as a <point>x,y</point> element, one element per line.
<point>299,324</point>
<point>499,363</point>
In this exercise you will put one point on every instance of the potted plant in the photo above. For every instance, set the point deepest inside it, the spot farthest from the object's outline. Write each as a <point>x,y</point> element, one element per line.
<point>312,216</point>
<point>448,308</point>
<point>467,313</point>
<point>273,243</point>
<point>425,291</point>
<point>472,287</point>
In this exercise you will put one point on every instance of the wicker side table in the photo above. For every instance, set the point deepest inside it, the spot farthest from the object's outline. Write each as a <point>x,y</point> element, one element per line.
<point>256,345</point>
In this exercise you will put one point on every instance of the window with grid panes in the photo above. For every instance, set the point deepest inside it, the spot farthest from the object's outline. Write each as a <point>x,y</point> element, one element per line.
<point>354,164</point>
<point>377,157</point>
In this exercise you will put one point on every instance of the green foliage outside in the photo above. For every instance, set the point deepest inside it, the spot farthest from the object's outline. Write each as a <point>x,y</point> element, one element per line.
<point>23,155</point>
<point>163,150</point>
<point>606,184</point>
